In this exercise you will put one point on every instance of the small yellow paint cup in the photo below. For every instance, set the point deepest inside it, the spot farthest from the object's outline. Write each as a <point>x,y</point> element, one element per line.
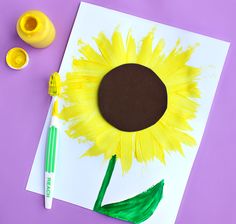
<point>17,58</point>
<point>36,29</point>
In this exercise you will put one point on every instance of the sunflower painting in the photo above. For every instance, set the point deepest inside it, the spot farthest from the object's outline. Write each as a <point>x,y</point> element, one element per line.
<point>134,103</point>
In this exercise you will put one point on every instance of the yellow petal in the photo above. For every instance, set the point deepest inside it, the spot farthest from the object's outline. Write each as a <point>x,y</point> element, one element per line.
<point>105,47</point>
<point>159,150</point>
<point>93,151</point>
<point>118,49</point>
<point>89,68</point>
<point>144,150</point>
<point>90,54</point>
<point>126,150</point>
<point>131,49</point>
<point>108,141</point>
<point>175,120</point>
<point>157,55</point>
<point>145,52</point>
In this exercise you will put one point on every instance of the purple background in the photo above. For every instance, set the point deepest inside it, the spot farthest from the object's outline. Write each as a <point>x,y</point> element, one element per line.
<point>211,191</point>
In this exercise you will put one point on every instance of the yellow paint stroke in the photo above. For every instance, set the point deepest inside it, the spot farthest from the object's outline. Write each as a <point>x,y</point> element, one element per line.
<point>80,88</point>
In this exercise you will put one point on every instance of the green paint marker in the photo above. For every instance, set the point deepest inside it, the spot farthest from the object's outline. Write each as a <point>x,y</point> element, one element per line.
<point>50,158</point>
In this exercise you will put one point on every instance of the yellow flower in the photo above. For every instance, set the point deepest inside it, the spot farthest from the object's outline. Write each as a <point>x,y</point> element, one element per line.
<point>83,88</point>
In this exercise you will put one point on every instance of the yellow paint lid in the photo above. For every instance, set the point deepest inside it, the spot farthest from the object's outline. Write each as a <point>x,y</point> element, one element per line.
<point>17,58</point>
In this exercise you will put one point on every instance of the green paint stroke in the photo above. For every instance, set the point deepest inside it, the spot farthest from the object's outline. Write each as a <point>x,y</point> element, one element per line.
<point>136,209</point>
<point>105,183</point>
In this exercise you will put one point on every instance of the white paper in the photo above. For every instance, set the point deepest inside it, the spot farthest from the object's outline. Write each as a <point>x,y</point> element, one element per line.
<point>78,180</point>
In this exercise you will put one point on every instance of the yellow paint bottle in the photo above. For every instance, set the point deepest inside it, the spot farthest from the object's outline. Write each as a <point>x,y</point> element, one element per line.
<point>36,29</point>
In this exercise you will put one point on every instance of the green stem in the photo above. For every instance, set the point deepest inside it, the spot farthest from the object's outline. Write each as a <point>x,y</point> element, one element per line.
<point>105,183</point>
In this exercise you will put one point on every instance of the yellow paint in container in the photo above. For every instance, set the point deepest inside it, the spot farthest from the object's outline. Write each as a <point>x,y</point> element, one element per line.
<point>17,58</point>
<point>36,29</point>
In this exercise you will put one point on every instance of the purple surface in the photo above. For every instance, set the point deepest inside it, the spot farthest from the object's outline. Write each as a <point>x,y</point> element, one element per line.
<point>211,191</point>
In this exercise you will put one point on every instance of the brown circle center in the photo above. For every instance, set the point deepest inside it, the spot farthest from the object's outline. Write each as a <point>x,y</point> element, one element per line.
<point>131,97</point>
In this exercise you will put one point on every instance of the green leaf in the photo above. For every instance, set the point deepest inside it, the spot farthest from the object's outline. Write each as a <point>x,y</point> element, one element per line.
<point>136,209</point>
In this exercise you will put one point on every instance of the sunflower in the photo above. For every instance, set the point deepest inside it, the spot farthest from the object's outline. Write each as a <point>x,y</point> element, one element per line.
<point>131,101</point>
